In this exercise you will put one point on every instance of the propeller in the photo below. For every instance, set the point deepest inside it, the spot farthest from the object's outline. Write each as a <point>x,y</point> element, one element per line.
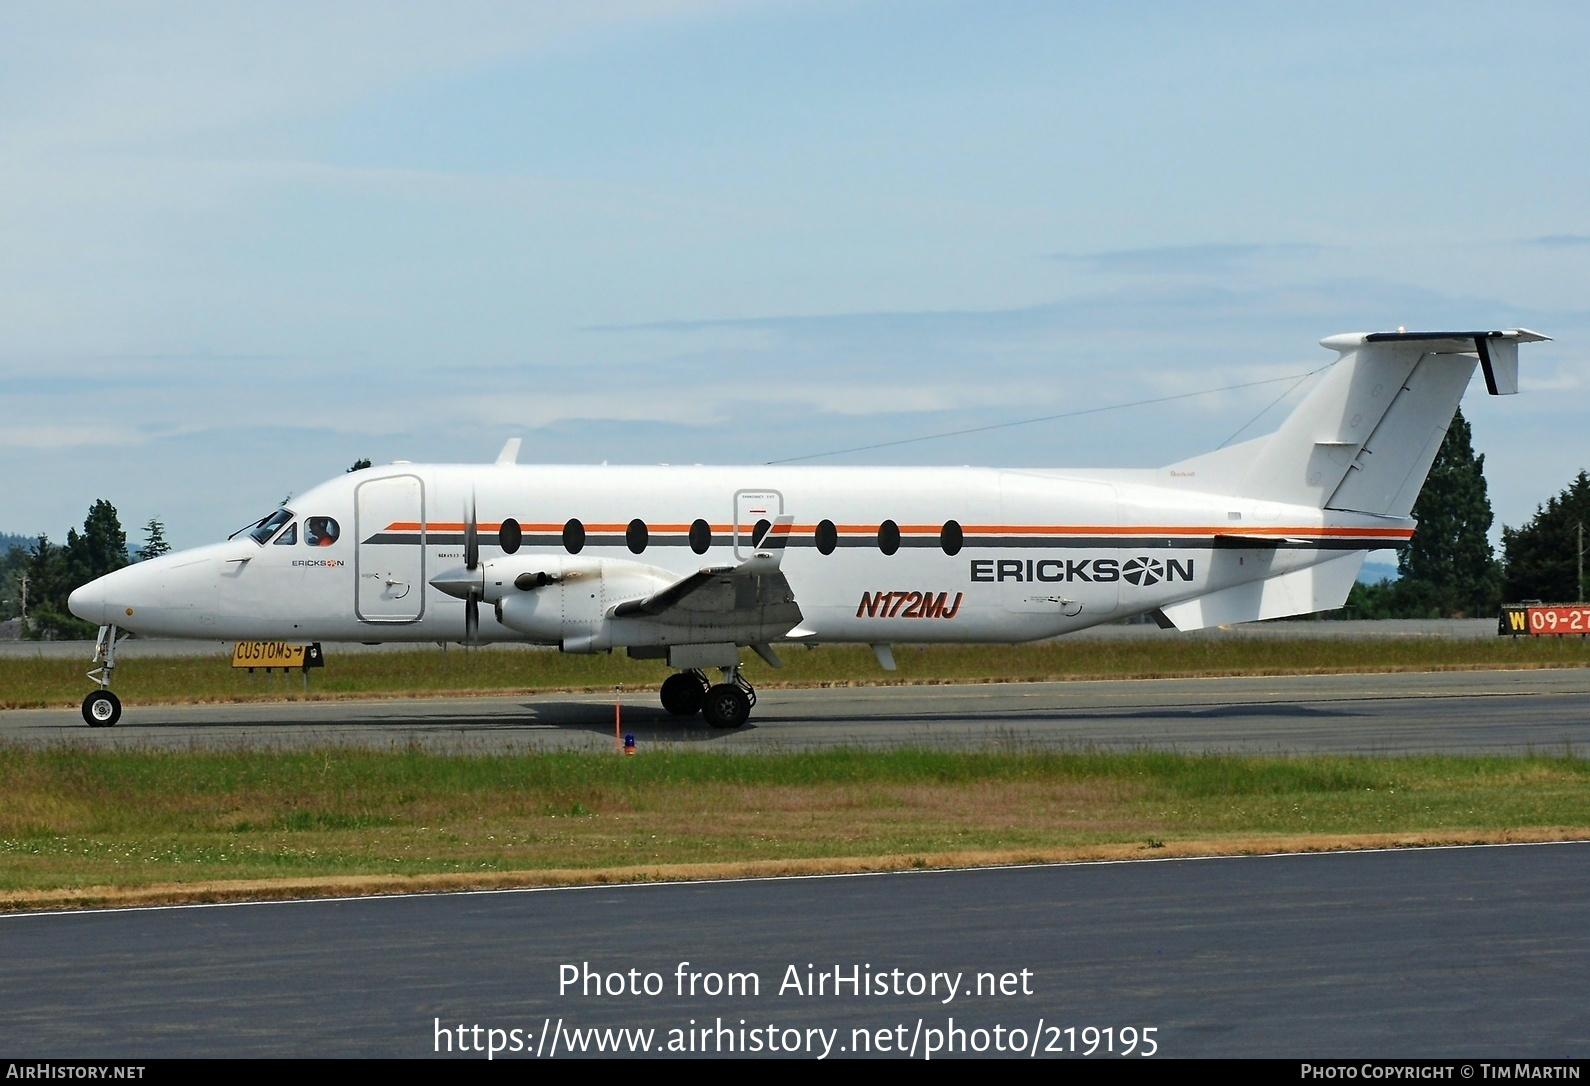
<point>471,537</point>
<point>472,564</point>
<point>469,582</point>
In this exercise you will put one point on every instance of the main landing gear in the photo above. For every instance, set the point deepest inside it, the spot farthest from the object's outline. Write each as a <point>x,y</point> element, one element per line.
<point>101,709</point>
<point>725,705</point>
<point>683,692</point>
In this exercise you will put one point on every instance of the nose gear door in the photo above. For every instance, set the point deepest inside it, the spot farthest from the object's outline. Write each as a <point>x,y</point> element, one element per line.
<point>389,565</point>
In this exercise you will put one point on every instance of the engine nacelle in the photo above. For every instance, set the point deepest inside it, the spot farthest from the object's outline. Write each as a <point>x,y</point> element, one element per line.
<point>565,599</point>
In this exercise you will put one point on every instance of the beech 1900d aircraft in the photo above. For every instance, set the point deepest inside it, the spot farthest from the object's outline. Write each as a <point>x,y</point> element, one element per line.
<point>690,565</point>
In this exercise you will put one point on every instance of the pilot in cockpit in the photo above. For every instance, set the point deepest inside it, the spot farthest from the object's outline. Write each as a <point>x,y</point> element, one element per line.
<point>320,531</point>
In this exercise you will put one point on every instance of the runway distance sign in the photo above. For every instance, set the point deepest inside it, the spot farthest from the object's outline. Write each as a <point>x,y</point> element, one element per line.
<point>1546,620</point>
<point>1559,620</point>
<point>273,654</point>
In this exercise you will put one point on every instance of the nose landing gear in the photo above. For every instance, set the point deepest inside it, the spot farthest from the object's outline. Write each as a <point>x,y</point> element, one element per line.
<point>101,709</point>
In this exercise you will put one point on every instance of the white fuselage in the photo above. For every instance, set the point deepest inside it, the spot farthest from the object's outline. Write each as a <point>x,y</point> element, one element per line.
<point>1038,553</point>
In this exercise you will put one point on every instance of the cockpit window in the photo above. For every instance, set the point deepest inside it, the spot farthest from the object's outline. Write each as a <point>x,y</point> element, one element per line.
<point>288,537</point>
<point>320,531</point>
<point>262,531</point>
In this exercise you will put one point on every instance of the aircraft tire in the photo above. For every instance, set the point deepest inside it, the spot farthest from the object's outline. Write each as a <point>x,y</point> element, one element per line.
<point>726,706</point>
<point>101,709</point>
<point>683,694</point>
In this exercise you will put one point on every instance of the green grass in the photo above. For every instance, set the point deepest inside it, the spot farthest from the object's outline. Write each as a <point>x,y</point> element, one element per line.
<point>36,683</point>
<point>78,817</point>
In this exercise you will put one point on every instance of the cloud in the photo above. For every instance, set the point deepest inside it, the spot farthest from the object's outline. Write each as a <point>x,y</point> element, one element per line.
<point>1559,241</point>
<point>1095,310</point>
<point>52,436</point>
<point>1124,322</point>
<point>1204,259</point>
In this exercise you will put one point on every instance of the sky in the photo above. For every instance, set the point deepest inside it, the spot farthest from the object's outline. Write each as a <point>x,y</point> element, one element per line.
<point>242,246</point>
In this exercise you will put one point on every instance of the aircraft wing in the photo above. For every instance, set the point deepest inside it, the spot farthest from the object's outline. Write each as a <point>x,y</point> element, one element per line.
<point>661,602</point>
<point>725,594</point>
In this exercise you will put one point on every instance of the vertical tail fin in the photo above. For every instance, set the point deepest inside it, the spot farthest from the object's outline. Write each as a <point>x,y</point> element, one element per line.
<point>1364,438</point>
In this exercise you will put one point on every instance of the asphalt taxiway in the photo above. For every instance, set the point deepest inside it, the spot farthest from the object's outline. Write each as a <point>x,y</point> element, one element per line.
<point>1453,712</point>
<point>1472,952</point>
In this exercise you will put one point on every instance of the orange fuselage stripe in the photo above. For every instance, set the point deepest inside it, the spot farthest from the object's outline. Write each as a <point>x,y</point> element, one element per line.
<point>969,529</point>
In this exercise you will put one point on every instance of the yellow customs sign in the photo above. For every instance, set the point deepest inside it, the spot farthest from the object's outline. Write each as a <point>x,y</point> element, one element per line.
<point>252,654</point>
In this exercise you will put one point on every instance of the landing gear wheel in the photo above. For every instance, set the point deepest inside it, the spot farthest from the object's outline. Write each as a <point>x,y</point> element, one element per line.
<point>101,709</point>
<point>727,706</point>
<point>683,693</point>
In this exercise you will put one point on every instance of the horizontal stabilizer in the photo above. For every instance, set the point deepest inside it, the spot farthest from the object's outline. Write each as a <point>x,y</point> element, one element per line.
<point>1364,437</point>
<point>1302,592</point>
<point>1242,541</point>
<point>1497,350</point>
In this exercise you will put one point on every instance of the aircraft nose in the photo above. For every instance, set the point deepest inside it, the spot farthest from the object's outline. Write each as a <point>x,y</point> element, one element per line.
<point>89,603</point>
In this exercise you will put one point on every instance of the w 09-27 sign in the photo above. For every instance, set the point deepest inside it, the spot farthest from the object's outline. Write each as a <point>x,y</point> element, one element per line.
<point>1546,620</point>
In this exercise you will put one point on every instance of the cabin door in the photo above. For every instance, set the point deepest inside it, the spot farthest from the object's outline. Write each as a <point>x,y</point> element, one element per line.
<point>389,565</point>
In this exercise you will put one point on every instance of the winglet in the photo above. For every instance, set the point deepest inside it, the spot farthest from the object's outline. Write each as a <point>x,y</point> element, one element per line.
<point>510,451</point>
<point>770,553</point>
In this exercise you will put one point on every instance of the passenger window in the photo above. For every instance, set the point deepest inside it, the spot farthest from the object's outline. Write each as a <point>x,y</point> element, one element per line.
<point>700,537</point>
<point>827,537</point>
<point>321,531</point>
<point>888,537</point>
<point>636,535</point>
<point>574,537</point>
<point>951,538</point>
<point>288,537</point>
<point>510,535</point>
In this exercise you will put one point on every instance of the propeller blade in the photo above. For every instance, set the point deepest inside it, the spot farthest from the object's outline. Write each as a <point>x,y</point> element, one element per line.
<point>471,538</point>
<point>471,618</point>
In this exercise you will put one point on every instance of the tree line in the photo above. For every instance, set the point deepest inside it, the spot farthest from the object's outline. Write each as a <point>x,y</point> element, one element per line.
<point>39,578</point>
<point>36,579</point>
